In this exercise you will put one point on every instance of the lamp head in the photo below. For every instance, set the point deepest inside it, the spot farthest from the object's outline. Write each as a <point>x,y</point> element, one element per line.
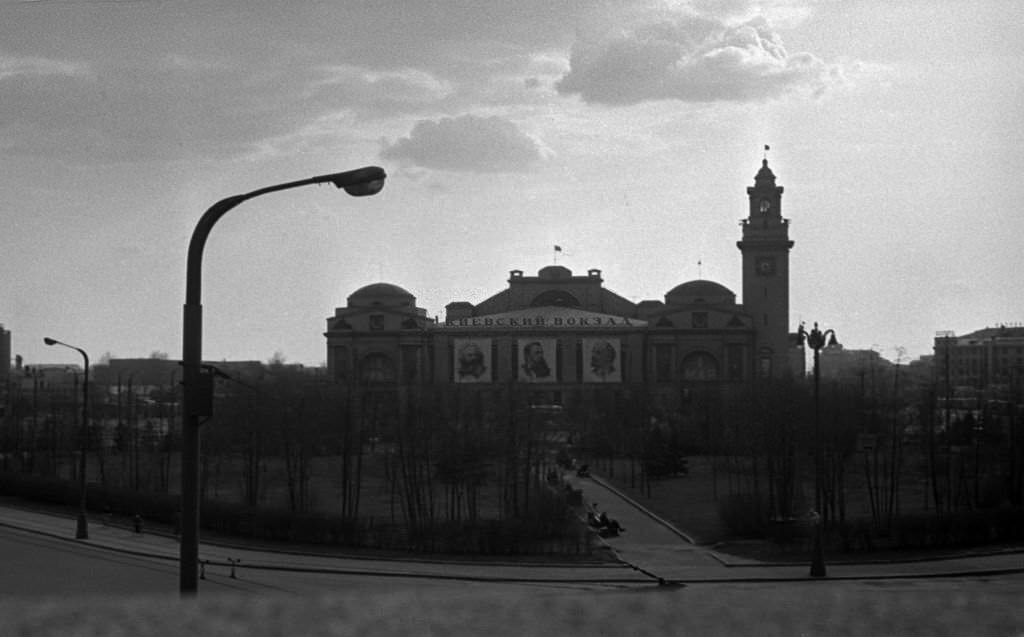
<point>361,182</point>
<point>365,189</point>
<point>832,342</point>
<point>49,341</point>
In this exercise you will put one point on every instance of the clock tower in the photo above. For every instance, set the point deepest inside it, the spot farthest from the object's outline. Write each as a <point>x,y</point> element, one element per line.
<point>765,247</point>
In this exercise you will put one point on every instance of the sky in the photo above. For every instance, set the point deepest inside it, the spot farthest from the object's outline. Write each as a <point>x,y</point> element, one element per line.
<point>625,132</point>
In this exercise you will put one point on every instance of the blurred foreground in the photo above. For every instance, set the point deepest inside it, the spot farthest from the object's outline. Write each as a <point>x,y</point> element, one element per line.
<point>936,607</point>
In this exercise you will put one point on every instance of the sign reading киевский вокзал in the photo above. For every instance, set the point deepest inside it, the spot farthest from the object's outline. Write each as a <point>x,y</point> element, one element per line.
<point>545,318</point>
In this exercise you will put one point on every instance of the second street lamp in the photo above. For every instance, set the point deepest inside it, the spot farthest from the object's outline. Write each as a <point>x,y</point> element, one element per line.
<point>197,385</point>
<point>816,339</point>
<point>82,529</point>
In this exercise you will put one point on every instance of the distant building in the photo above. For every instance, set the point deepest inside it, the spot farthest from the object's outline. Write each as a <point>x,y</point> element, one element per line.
<point>875,375</point>
<point>563,337</point>
<point>161,377</point>
<point>989,360</point>
<point>921,372</point>
<point>5,354</point>
<point>51,377</point>
<point>839,363</point>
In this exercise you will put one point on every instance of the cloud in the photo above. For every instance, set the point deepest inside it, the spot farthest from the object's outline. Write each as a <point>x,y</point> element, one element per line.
<point>174,107</point>
<point>380,93</point>
<point>191,82</point>
<point>690,58</point>
<point>466,144</point>
<point>134,114</point>
<point>12,66</point>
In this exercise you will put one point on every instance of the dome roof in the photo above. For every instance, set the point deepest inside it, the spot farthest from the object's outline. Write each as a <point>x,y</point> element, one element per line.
<point>700,291</point>
<point>764,178</point>
<point>555,272</point>
<point>381,294</point>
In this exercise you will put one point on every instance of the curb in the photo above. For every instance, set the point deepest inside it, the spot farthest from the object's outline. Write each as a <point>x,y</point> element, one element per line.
<point>295,568</point>
<point>227,544</point>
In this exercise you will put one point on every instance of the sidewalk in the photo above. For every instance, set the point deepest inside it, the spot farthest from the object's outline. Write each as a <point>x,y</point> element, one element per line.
<point>650,549</point>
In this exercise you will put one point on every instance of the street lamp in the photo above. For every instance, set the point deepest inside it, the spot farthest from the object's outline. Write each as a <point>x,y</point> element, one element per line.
<point>197,394</point>
<point>82,529</point>
<point>817,339</point>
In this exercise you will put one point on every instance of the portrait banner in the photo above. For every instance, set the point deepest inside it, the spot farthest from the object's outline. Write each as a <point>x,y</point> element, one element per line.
<point>602,360</point>
<point>538,360</point>
<point>472,360</point>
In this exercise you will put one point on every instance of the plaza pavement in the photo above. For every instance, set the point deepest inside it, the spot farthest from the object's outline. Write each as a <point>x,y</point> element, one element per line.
<point>650,550</point>
<point>654,545</point>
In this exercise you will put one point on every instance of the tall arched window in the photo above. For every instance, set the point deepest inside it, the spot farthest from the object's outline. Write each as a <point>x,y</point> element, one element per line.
<point>378,368</point>
<point>700,366</point>
<point>341,363</point>
<point>764,362</point>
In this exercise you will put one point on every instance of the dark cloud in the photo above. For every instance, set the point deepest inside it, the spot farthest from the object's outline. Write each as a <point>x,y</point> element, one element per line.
<point>106,83</point>
<point>136,114</point>
<point>690,59</point>
<point>179,107</point>
<point>466,144</point>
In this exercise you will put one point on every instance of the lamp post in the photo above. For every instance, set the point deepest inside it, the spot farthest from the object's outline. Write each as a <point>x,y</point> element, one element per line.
<point>82,529</point>
<point>817,339</point>
<point>197,394</point>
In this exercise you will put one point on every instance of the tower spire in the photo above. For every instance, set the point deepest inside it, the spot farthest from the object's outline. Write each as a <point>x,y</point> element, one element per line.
<point>765,246</point>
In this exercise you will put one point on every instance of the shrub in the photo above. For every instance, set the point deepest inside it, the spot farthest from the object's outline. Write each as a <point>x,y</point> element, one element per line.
<point>959,529</point>
<point>744,515</point>
<point>548,528</point>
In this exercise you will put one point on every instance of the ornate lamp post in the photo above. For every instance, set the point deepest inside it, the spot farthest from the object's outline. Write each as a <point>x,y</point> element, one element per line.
<point>197,395</point>
<point>816,339</point>
<point>82,529</point>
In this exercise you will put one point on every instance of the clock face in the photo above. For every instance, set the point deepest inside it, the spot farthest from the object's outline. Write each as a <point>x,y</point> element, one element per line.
<point>765,265</point>
<point>765,206</point>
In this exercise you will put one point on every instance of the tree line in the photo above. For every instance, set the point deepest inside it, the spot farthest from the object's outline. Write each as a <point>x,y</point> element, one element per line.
<point>419,455</point>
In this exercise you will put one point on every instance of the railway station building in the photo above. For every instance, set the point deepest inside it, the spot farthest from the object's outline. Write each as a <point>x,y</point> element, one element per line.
<point>565,338</point>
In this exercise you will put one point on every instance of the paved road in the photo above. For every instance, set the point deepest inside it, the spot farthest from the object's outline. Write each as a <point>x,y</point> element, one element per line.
<point>52,584</point>
<point>83,588</point>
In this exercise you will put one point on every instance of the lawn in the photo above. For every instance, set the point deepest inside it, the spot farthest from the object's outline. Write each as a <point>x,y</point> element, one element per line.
<point>687,502</point>
<point>691,502</point>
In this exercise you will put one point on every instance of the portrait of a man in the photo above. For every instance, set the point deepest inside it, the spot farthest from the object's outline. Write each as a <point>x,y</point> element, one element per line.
<point>534,366</point>
<point>603,361</point>
<point>472,361</point>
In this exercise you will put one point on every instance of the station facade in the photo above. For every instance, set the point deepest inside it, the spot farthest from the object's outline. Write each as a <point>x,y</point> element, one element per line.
<point>563,336</point>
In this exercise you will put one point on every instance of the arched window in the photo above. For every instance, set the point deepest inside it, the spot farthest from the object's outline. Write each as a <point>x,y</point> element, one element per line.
<point>341,363</point>
<point>560,298</point>
<point>764,362</point>
<point>700,366</point>
<point>378,368</point>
